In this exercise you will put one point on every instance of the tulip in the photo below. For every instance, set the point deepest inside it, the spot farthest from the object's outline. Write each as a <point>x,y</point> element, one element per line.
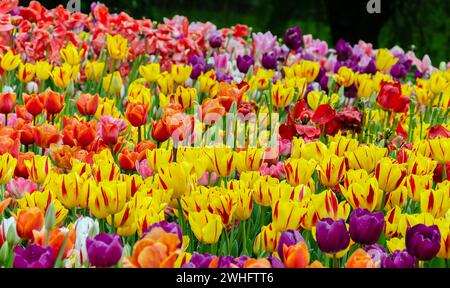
<point>269,60</point>
<point>159,131</point>
<point>390,176</point>
<point>365,157</point>
<point>104,250</point>
<point>223,161</point>
<point>19,186</point>
<point>286,215</point>
<point>416,185</point>
<point>332,170</point>
<point>71,55</point>
<point>33,104</point>
<point>199,261</point>
<point>112,83</point>
<point>332,236</point>
<point>206,226</point>
<point>265,190</point>
<point>117,46</point>
<point>266,240</point>
<point>282,96</point>
<point>109,198</point>
<point>180,73</point>
<point>29,219</point>
<point>244,205</point>
<point>215,40</point>
<point>7,166</point>
<point>127,160</point>
<point>385,60</point>
<point>174,176</point>
<point>168,227</point>
<point>38,168</point>
<point>423,242</point>
<point>444,228</point>
<point>390,97</point>
<point>7,102</point>
<point>94,70</point>
<point>56,240</point>
<point>345,76</point>
<point>137,114</point>
<point>288,238</point>
<point>244,63</point>
<point>439,148</point>
<point>84,227</point>
<point>326,205</point>
<point>62,75</point>
<point>33,256</point>
<point>85,133</point>
<point>306,69</point>
<point>45,135</point>
<point>377,253</point>
<point>110,133</point>
<point>296,256</point>
<point>299,171</point>
<point>9,61</point>
<point>399,259</point>
<point>360,259</point>
<point>53,101</point>
<point>420,165</point>
<point>43,70</point>
<point>366,227</point>
<point>8,231</point>
<point>150,72</point>
<point>208,83</point>
<point>392,219</point>
<point>139,94</point>
<point>68,189</point>
<point>293,38</point>
<point>435,202</point>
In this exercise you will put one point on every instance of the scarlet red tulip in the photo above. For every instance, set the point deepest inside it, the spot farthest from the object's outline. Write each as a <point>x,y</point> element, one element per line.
<point>53,101</point>
<point>127,159</point>
<point>33,103</point>
<point>159,131</point>
<point>87,104</point>
<point>85,133</point>
<point>137,114</point>
<point>110,133</point>
<point>7,102</point>
<point>390,97</point>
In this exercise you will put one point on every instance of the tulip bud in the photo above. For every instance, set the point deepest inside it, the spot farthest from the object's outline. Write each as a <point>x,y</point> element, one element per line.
<point>4,253</point>
<point>31,87</point>
<point>11,235</point>
<point>50,217</point>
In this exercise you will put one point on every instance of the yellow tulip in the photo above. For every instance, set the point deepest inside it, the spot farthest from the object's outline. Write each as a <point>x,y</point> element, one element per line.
<point>396,198</point>
<point>390,175</point>
<point>314,150</point>
<point>341,144</point>
<point>166,83</point>
<point>108,107</point>
<point>355,176</point>
<point>43,70</point>
<point>327,205</point>
<point>299,171</point>
<point>9,61</point>
<point>71,55</point>
<point>224,205</point>
<point>244,204</point>
<point>63,74</point>
<point>365,157</point>
<point>366,89</point>
<point>150,72</point>
<point>410,220</point>
<point>180,73</point>
<point>117,46</point>
<point>435,202</point>
<point>174,176</point>
<point>38,167</point>
<point>250,159</point>
<point>68,189</point>
<point>265,189</point>
<point>206,226</point>
<point>331,170</point>
<point>345,76</point>
<point>7,166</point>
<point>282,96</point>
<point>138,93</point>
<point>317,98</point>
<point>208,83</point>
<point>42,200</point>
<point>385,60</point>
<point>112,83</point>
<point>94,70</point>
<point>266,240</point>
<point>416,184</point>
<point>420,165</point>
<point>440,148</point>
<point>395,244</point>
<point>26,72</point>
<point>422,147</point>
<point>186,96</point>
<point>363,194</point>
<point>438,83</point>
<point>146,217</point>
<point>157,157</point>
<point>107,198</point>
<point>393,218</point>
<point>105,170</point>
<point>222,160</point>
<point>444,228</point>
<point>286,215</point>
<point>307,69</point>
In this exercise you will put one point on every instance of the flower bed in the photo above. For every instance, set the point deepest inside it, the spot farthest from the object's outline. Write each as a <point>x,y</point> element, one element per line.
<point>130,143</point>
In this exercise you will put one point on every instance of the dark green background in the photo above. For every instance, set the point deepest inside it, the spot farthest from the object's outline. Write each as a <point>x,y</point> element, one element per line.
<point>422,23</point>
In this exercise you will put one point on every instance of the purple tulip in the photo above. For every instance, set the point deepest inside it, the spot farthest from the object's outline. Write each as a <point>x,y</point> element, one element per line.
<point>199,261</point>
<point>371,68</point>
<point>332,236</point>
<point>33,256</point>
<point>269,60</point>
<point>423,242</point>
<point>289,238</point>
<point>399,259</point>
<point>366,227</point>
<point>215,40</point>
<point>376,252</point>
<point>169,227</point>
<point>293,38</point>
<point>244,63</point>
<point>275,262</point>
<point>104,250</point>
<point>343,50</point>
<point>198,66</point>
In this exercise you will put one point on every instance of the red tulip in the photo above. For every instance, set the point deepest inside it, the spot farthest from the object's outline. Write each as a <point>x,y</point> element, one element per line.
<point>127,159</point>
<point>137,114</point>
<point>33,103</point>
<point>324,114</point>
<point>110,133</point>
<point>7,102</point>
<point>159,131</point>
<point>53,101</point>
<point>87,104</point>
<point>390,97</point>
<point>85,133</point>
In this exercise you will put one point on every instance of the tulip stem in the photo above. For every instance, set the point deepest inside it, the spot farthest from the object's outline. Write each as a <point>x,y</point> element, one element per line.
<point>335,261</point>
<point>112,224</point>
<point>444,172</point>
<point>139,134</point>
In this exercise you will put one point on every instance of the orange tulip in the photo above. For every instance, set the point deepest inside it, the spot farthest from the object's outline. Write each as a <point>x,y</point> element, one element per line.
<point>360,259</point>
<point>26,131</point>
<point>23,113</point>
<point>87,104</point>
<point>53,101</point>
<point>142,148</point>
<point>62,155</point>
<point>85,133</point>
<point>257,263</point>
<point>316,264</point>
<point>29,219</point>
<point>21,169</point>
<point>33,103</point>
<point>296,256</point>
<point>56,240</point>
<point>137,114</point>
<point>4,204</point>
<point>127,159</point>
<point>159,131</point>
<point>46,134</point>
<point>157,249</point>
<point>8,145</point>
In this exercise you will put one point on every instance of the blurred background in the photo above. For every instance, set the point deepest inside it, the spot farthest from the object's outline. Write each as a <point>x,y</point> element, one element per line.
<point>422,23</point>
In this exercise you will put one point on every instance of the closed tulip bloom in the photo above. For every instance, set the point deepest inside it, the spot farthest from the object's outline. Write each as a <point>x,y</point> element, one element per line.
<point>127,159</point>
<point>62,75</point>
<point>150,72</point>
<point>33,104</point>
<point>439,150</point>
<point>137,114</point>
<point>288,238</point>
<point>180,73</point>
<point>7,166</point>
<point>9,61</point>
<point>105,170</point>
<point>345,76</point>
<point>399,259</point>
<point>293,38</point>
<point>110,133</point>
<point>156,157</point>
<point>282,96</point>
<point>266,240</point>
<point>365,157</point>
<point>223,161</point>
<point>112,83</point>
<point>286,215</point>
<point>265,189</point>
<point>389,175</point>
<point>38,167</point>
<point>269,60</point>
<point>174,176</point>
<point>332,236</point>
<point>71,55</point>
<point>385,60</point>
<point>423,241</point>
<point>332,170</point>
<point>244,63</point>
<point>244,204</point>
<point>365,194</point>
<point>45,135</point>
<point>435,202</point>
<point>104,250</point>
<point>94,70</point>
<point>26,72</point>
<point>7,102</point>
<point>299,171</point>
<point>366,227</point>
<point>108,199</point>
<point>206,226</point>
<point>390,97</point>
<point>117,46</point>
<point>444,228</point>
<point>416,184</point>
<point>43,70</point>
<point>53,101</point>
<point>29,219</point>
<point>307,69</point>
<point>296,256</point>
<point>159,131</point>
<point>360,259</point>
<point>392,219</point>
<point>68,188</point>
<point>33,256</point>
